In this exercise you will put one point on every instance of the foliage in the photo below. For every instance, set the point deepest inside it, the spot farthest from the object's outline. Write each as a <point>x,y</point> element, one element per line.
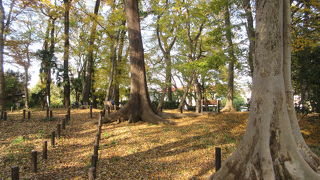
<point>14,88</point>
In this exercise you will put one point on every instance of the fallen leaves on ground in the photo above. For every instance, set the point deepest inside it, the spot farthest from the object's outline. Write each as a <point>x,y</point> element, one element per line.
<point>127,151</point>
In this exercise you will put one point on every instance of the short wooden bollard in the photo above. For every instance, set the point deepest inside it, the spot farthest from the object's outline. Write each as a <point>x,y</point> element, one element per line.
<point>63,123</point>
<point>15,173</point>
<point>90,111</point>
<point>58,130</point>
<point>24,114</point>
<point>47,112</point>
<point>53,135</point>
<point>34,160</point>
<point>218,107</point>
<point>1,114</point>
<point>69,113</point>
<point>5,115</point>
<point>29,115</point>
<point>108,110</point>
<point>92,173</point>
<point>94,160</point>
<point>95,149</point>
<point>218,158</point>
<point>45,150</point>
<point>181,109</point>
<point>67,118</point>
<point>104,112</point>
<point>51,114</point>
<point>11,108</point>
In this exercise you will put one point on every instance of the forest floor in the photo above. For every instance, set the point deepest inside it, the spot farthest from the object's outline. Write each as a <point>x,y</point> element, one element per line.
<point>127,151</point>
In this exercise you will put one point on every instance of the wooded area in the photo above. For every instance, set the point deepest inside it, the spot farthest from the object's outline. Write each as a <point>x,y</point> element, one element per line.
<point>167,64</point>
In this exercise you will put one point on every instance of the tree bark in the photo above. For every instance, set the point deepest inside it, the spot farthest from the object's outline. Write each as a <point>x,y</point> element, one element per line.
<point>250,33</point>
<point>272,147</point>
<point>2,80</point>
<point>185,93</point>
<point>229,103</point>
<point>139,106</point>
<point>89,68</point>
<point>198,96</point>
<point>66,80</point>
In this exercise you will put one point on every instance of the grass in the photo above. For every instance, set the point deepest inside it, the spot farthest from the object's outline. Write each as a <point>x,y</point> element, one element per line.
<point>128,151</point>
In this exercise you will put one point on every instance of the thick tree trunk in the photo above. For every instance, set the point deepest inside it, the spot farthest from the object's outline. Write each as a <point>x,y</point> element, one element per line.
<point>66,80</point>
<point>250,32</point>
<point>139,106</point>
<point>229,103</point>
<point>89,68</point>
<point>2,83</point>
<point>113,57</point>
<point>272,147</point>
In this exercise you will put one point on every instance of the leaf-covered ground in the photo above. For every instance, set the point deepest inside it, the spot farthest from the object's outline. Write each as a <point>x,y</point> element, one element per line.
<point>127,151</point>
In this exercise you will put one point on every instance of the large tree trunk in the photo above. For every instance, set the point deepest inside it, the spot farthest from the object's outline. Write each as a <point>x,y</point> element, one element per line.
<point>250,32</point>
<point>2,83</point>
<point>272,147</point>
<point>229,103</point>
<point>139,106</point>
<point>113,57</point>
<point>89,68</point>
<point>66,80</point>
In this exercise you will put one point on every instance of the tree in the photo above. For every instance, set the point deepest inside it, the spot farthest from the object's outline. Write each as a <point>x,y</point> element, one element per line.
<point>2,80</point>
<point>139,106</point>
<point>66,80</point>
<point>87,83</point>
<point>232,59</point>
<point>272,147</point>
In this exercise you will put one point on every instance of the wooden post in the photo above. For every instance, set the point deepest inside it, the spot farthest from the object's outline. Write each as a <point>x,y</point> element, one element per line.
<point>90,111</point>
<point>53,135</point>
<point>24,114</point>
<point>181,109</point>
<point>92,173</point>
<point>94,160</point>
<point>201,106</point>
<point>15,173</point>
<point>11,108</point>
<point>67,118</point>
<point>108,110</point>
<point>34,154</point>
<point>104,112</point>
<point>58,130</point>
<point>218,158</point>
<point>45,150</point>
<point>218,107</point>
<point>1,114</point>
<point>95,149</point>
<point>29,115</point>
<point>63,123</point>
<point>47,112</point>
<point>51,114</point>
<point>69,113</point>
<point>5,115</point>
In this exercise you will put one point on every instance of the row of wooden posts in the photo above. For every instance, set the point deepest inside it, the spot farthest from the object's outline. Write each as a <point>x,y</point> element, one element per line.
<point>34,153</point>
<point>92,173</point>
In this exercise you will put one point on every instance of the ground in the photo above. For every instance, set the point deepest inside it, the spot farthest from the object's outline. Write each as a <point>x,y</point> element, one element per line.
<point>127,151</point>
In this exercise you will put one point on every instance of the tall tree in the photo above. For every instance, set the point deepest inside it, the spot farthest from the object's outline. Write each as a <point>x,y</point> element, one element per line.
<point>250,32</point>
<point>139,106</point>
<point>66,80</point>
<point>272,147</point>
<point>2,84</point>
<point>232,59</point>
<point>87,83</point>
